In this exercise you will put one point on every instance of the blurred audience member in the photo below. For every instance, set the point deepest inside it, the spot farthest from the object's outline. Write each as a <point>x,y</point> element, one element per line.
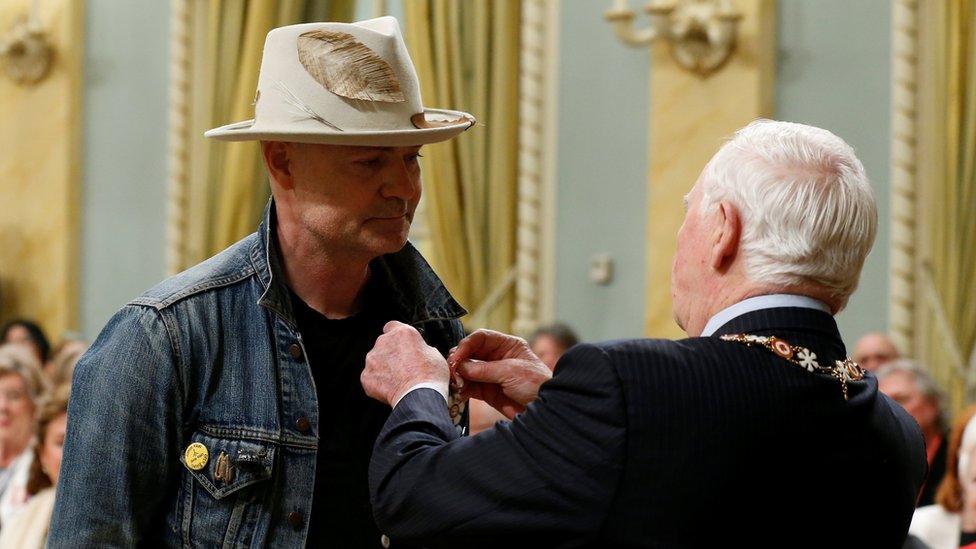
<point>28,333</point>
<point>28,529</point>
<point>873,350</point>
<point>21,384</point>
<point>907,384</point>
<point>951,522</point>
<point>550,342</point>
<point>63,359</point>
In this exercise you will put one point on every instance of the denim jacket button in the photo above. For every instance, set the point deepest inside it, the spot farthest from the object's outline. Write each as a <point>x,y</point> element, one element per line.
<point>295,519</point>
<point>295,351</point>
<point>303,425</point>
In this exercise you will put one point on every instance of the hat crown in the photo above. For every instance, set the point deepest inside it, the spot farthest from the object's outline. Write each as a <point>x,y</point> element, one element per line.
<point>289,93</point>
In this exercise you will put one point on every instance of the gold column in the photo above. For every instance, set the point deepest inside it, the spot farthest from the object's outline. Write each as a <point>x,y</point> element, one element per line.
<point>39,175</point>
<point>690,117</point>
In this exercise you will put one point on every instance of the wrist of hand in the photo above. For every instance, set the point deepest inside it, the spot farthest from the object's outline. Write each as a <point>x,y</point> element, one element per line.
<point>437,385</point>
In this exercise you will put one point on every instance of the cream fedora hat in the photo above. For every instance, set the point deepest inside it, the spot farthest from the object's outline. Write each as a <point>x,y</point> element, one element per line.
<point>342,84</point>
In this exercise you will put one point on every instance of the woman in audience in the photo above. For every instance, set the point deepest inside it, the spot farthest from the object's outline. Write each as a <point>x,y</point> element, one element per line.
<point>28,529</point>
<point>26,332</point>
<point>947,524</point>
<point>21,383</point>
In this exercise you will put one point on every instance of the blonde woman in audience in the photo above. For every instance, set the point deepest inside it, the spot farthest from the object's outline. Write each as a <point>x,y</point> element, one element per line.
<point>944,525</point>
<point>28,529</point>
<point>21,383</point>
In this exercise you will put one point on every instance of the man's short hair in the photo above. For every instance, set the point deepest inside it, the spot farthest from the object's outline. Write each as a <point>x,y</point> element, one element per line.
<point>561,333</point>
<point>925,383</point>
<point>807,208</point>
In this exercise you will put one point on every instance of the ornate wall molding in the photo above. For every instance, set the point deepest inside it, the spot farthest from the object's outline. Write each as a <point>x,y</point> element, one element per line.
<point>904,90</point>
<point>179,115</point>
<point>535,256</point>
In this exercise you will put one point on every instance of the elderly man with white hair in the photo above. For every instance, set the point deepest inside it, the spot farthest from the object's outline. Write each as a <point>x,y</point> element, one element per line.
<point>757,429</point>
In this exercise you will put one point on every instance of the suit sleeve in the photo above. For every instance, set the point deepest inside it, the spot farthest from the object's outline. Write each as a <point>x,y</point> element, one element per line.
<point>120,464</point>
<point>554,469</point>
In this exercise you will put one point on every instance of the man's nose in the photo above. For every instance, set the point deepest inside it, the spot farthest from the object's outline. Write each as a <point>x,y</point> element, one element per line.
<point>400,182</point>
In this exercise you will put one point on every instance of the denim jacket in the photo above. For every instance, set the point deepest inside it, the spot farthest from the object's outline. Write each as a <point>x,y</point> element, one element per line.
<point>211,356</point>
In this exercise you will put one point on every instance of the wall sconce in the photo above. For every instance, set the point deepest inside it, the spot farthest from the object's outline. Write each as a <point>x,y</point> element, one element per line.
<point>25,52</point>
<point>701,34</point>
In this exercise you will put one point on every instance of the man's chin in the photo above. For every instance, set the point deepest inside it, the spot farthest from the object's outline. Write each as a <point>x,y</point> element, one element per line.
<point>390,245</point>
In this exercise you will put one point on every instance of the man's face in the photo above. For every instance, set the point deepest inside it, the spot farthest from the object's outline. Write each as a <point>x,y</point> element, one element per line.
<point>873,350</point>
<point>548,350</point>
<point>356,199</point>
<point>690,259</point>
<point>901,388</point>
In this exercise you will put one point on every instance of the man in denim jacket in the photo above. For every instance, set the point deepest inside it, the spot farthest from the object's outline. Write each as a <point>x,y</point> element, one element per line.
<point>223,407</point>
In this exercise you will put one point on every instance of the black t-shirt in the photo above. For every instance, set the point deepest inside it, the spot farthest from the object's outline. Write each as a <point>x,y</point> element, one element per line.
<point>349,421</point>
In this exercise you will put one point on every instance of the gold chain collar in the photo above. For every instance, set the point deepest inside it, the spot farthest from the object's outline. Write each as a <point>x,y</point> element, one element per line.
<point>844,371</point>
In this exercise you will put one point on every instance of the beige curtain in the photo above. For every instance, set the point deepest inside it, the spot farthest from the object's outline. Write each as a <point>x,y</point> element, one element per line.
<point>947,195</point>
<point>226,186</point>
<point>467,58</point>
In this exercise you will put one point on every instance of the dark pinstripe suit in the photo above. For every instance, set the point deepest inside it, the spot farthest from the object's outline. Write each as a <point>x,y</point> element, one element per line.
<point>656,443</point>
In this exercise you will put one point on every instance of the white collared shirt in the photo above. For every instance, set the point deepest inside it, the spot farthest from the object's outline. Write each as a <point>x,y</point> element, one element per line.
<point>759,302</point>
<point>439,386</point>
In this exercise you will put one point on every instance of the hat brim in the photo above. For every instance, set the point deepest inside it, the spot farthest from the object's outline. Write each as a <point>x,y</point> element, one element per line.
<point>248,130</point>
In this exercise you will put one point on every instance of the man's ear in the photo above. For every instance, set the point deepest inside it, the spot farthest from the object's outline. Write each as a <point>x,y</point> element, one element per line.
<point>725,246</point>
<point>277,157</point>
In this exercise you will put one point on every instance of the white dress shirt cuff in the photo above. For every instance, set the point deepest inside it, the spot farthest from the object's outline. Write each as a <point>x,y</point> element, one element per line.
<point>439,386</point>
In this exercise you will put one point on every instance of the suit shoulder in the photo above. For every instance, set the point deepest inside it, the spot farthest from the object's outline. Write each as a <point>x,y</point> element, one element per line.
<point>625,350</point>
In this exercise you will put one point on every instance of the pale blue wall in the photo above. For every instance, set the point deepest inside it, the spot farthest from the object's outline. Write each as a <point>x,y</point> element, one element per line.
<point>834,72</point>
<point>601,174</point>
<point>124,155</point>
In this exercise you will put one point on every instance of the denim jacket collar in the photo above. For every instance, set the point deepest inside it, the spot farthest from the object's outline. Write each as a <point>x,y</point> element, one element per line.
<point>420,294</point>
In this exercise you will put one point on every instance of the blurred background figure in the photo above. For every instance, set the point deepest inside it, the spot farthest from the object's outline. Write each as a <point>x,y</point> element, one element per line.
<point>27,332</point>
<point>907,384</point>
<point>552,341</point>
<point>28,529</point>
<point>63,359</point>
<point>21,384</point>
<point>873,350</point>
<point>951,522</point>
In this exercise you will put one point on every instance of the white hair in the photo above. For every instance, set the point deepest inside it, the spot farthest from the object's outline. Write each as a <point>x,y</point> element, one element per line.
<point>807,209</point>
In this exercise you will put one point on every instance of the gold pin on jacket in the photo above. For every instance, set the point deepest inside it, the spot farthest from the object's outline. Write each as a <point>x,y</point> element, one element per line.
<point>196,456</point>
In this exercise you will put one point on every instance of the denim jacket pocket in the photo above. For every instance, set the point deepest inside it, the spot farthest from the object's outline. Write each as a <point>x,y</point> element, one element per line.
<point>223,492</point>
